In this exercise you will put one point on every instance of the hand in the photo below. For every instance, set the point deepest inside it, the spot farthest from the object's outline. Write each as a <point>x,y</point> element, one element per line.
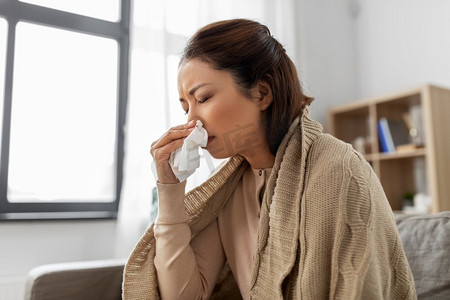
<point>162,148</point>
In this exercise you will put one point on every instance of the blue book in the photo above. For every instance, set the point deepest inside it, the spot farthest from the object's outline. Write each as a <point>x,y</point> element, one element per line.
<point>385,137</point>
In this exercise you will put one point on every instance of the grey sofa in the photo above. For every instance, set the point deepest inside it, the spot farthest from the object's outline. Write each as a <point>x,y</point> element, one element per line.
<point>426,239</point>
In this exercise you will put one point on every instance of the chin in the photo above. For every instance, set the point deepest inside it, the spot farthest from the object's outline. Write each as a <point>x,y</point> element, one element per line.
<point>219,154</point>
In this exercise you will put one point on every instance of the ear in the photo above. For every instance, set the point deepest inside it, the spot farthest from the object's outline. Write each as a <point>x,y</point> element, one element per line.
<point>265,96</point>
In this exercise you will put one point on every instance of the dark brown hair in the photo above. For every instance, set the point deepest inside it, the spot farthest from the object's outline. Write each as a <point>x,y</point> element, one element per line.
<point>247,50</point>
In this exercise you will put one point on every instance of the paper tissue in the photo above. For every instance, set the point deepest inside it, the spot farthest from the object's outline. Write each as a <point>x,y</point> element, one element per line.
<point>185,160</point>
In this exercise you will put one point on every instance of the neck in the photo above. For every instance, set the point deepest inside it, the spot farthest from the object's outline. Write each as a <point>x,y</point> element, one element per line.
<point>260,158</point>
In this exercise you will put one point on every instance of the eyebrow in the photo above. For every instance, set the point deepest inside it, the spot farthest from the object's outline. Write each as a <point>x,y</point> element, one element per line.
<point>195,88</point>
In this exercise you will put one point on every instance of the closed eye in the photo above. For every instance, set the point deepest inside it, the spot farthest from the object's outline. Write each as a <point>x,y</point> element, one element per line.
<point>198,101</point>
<point>203,99</point>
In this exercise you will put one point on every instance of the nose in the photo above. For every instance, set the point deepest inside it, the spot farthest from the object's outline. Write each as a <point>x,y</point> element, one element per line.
<point>192,115</point>
<point>189,118</point>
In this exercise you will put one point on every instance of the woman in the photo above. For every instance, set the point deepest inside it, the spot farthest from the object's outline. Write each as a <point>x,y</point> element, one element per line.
<point>293,214</point>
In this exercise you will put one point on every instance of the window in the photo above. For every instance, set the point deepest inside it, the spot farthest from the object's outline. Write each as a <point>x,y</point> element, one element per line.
<point>102,9</point>
<point>63,87</point>
<point>3,33</point>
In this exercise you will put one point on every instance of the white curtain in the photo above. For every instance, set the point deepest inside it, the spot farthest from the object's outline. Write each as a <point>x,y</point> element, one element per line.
<point>159,31</point>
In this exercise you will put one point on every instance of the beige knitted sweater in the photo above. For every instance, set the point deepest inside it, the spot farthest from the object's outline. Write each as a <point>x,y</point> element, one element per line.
<point>326,229</point>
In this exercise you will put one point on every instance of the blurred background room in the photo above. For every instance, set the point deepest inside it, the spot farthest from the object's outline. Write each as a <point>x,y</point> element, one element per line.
<point>86,86</point>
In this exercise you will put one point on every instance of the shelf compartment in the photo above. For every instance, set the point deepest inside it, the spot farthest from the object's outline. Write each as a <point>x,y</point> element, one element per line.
<point>354,124</point>
<point>401,176</point>
<point>429,108</point>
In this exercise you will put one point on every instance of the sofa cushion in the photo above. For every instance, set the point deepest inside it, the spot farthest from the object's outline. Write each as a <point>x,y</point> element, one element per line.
<point>426,240</point>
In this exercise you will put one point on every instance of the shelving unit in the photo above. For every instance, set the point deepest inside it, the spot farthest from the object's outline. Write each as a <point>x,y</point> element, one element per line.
<point>423,169</point>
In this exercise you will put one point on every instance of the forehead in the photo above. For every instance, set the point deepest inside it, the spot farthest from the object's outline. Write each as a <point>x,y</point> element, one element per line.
<point>195,71</point>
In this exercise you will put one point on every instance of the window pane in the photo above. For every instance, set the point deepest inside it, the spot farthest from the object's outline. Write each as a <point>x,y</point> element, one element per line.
<point>63,117</point>
<point>3,36</point>
<point>101,9</point>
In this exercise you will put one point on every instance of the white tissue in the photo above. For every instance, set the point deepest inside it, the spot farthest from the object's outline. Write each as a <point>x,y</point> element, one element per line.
<point>185,160</point>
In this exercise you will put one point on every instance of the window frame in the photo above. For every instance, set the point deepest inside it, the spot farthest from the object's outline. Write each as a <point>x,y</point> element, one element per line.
<point>14,11</point>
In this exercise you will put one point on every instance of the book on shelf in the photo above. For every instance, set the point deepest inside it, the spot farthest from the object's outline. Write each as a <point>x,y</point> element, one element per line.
<point>393,135</point>
<point>384,136</point>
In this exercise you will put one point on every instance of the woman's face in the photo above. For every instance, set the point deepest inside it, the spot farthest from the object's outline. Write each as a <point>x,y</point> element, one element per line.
<point>233,121</point>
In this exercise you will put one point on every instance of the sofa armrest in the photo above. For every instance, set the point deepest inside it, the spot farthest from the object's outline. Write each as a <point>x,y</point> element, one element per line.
<point>101,279</point>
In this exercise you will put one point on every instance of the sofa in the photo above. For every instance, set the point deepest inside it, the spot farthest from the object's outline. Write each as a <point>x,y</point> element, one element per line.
<point>100,279</point>
<point>426,240</point>
<point>425,237</point>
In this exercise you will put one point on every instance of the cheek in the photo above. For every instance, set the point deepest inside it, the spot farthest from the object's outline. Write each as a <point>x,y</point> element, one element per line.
<point>218,115</point>
<point>225,114</point>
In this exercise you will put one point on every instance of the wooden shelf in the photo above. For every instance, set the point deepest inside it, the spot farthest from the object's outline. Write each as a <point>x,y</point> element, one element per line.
<point>396,155</point>
<point>425,169</point>
<point>406,154</point>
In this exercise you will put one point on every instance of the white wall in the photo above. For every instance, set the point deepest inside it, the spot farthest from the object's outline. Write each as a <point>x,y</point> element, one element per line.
<point>401,44</point>
<point>355,49</point>
<point>327,53</point>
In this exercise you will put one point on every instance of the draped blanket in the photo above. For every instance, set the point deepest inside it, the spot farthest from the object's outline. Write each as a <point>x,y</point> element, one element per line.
<point>326,229</point>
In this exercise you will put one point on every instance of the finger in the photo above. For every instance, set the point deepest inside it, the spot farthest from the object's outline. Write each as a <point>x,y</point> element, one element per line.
<point>169,137</point>
<point>174,133</point>
<point>162,154</point>
<point>187,125</point>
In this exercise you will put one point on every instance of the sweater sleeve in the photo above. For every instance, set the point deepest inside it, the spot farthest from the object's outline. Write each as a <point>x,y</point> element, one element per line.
<point>185,269</point>
<point>371,260</point>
